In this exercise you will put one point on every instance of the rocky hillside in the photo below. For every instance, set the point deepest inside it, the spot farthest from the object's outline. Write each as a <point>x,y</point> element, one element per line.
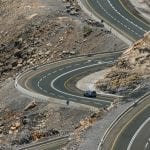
<point>131,69</point>
<point>35,32</point>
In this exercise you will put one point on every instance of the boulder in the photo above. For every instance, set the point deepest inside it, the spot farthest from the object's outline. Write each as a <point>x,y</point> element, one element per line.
<point>30,105</point>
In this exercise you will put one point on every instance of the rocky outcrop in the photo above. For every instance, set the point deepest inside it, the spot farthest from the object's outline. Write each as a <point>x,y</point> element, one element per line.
<point>132,68</point>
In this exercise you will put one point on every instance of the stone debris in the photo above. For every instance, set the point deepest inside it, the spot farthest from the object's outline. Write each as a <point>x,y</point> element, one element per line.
<point>94,23</point>
<point>72,7</point>
<point>86,123</point>
<point>30,105</point>
<point>15,126</point>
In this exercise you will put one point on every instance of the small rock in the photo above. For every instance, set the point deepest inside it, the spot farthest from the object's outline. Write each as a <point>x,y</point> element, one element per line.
<point>19,65</point>
<point>10,132</point>
<point>65,52</point>
<point>68,5</point>
<point>47,53</point>
<point>72,52</point>
<point>49,44</point>
<point>18,53</point>
<point>74,13</point>
<point>17,125</point>
<point>13,128</point>
<point>14,63</point>
<point>30,105</point>
<point>1,131</point>
<point>2,124</point>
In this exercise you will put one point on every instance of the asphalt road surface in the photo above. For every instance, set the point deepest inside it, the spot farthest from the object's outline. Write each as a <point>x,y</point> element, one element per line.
<point>135,135</point>
<point>141,138</point>
<point>119,18</point>
<point>52,81</point>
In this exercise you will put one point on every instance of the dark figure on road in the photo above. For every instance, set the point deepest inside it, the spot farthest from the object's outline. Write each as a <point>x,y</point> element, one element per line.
<point>67,102</point>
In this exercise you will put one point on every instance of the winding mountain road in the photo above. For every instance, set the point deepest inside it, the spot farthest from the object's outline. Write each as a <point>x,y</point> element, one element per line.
<point>136,133</point>
<point>115,15</point>
<point>57,80</point>
<point>131,130</point>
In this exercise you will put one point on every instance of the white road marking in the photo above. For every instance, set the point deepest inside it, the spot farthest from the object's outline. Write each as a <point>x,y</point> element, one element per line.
<point>41,88</point>
<point>146,145</point>
<point>54,72</point>
<point>116,19</point>
<point>54,80</point>
<point>125,17</point>
<point>49,74</point>
<point>100,62</point>
<point>45,91</point>
<point>137,132</point>
<point>44,77</point>
<point>38,84</point>
<point>52,83</point>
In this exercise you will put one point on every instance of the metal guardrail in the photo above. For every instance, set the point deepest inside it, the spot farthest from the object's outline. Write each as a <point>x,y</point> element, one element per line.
<point>119,118</point>
<point>44,144</point>
<point>73,57</point>
<point>42,97</point>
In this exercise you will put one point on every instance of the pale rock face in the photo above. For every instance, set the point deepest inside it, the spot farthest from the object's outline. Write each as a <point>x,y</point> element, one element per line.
<point>147,38</point>
<point>132,67</point>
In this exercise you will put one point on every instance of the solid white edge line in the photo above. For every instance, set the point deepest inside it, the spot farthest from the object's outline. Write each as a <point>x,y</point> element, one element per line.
<point>53,81</point>
<point>137,132</point>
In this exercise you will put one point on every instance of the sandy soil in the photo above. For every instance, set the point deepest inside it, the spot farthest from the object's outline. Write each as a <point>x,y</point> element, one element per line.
<point>88,82</point>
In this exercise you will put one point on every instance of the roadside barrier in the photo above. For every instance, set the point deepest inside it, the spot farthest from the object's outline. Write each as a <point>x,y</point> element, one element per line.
<point>54,100</point>
<point>45,144</point>
<point>119,118</point>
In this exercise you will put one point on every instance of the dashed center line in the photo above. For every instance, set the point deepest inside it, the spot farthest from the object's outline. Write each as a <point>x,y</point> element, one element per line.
<point>42,78</point>
<point>137,132</point>
<point>118,20</point>
<point>49,74</point>
<point>125,17</point>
